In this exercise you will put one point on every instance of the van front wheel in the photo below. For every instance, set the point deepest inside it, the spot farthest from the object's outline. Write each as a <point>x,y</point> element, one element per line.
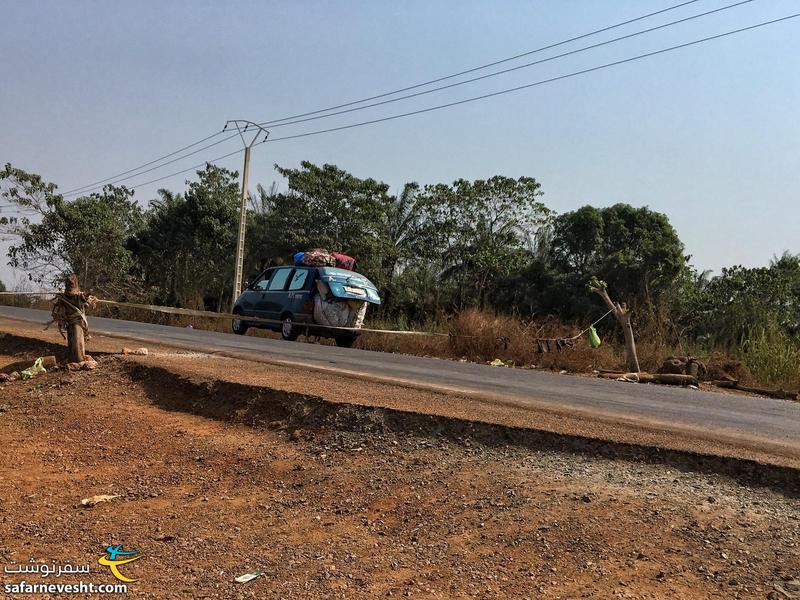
<point>239,327</point>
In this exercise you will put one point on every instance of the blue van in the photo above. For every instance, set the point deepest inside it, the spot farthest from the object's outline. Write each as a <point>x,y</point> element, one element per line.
<point>287,294</point>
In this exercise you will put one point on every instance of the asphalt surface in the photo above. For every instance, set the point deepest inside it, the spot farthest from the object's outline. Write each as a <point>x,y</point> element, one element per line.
<point>751,418</point>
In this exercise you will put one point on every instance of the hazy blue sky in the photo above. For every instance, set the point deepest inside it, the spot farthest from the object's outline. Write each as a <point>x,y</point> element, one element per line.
<point>708,134</point>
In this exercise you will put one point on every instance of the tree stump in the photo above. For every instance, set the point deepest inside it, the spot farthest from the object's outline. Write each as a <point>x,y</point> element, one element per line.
<point>76,342</point>
<point>68,312</point>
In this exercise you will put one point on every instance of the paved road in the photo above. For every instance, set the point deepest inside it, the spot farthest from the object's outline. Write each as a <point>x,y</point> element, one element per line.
<point>739,416</point>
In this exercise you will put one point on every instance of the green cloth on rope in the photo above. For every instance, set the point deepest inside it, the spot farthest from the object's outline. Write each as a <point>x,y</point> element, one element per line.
<point>594,339</point>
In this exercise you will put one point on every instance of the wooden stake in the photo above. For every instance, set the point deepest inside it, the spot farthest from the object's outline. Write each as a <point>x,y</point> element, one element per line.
<point>76,349</point>
<point>76,344</point>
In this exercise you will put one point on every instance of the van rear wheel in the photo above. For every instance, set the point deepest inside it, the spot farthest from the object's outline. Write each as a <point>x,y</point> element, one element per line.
<point>345,341</point>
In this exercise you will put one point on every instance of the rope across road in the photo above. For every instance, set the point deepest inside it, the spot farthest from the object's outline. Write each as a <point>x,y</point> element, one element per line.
<point>188,312</point>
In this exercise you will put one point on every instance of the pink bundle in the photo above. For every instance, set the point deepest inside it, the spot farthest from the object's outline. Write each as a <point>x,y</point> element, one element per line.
<point>344,262</point>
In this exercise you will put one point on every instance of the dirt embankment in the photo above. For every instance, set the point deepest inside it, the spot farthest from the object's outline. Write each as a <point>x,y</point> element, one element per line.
<point>407,397</point>
<point>366,501</point>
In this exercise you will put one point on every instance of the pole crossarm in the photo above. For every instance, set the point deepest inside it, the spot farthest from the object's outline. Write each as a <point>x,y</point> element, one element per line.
<point>248,130</point>
<point>242,125</point>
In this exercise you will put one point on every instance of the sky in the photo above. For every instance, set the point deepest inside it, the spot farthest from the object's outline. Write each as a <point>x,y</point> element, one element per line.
<point>707,134</point>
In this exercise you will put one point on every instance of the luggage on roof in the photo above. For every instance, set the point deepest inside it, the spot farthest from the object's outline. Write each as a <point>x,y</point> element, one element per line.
<point>315,258</point>
<point>320,257</point>
<point>344,262</point>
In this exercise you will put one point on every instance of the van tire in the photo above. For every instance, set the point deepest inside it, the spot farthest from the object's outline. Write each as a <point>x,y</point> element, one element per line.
<point>289,331</point>
<point>238,326</point>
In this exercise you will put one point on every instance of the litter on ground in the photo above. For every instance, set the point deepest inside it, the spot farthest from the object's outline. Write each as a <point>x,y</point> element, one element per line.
<point>248,577</point>
<point>34,370</point>
<point>95,500</point>
<point>136,352</point>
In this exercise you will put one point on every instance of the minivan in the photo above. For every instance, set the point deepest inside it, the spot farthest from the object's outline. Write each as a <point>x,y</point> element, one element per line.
<point>287,294</point>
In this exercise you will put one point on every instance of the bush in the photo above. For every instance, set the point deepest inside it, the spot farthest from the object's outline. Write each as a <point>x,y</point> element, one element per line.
<point>774,358</point>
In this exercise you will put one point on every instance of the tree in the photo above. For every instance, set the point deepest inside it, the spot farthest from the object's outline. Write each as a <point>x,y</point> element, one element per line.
<point>635,250</point>
<point>741,303</point>
<point>404,238</point>
<point>186,248</point>
<point>482,231</point>
<point>89,236</point>
<point>327,207</point>
<point>3,287</point>
<point>266,240</point>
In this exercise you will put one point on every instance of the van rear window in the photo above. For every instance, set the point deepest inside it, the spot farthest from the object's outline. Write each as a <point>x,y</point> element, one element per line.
<point>298,279</point>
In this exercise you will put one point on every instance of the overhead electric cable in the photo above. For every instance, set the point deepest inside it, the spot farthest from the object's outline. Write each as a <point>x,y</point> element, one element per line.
<point>493,94</point>
<point>87,187</point>
<point>484,66</point>
<point>516,68</point>
<point>147,164</point>
<point>536,83</point>
<point>197,166</point>
<point>169,162</point>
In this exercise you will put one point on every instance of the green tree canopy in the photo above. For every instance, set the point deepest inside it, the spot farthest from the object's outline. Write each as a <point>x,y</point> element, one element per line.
<point>742,302</point>
<point>89,236</point>
<point>635,250</point>
<point>481,232</point>
<point>325,207</point>
<point>187,247</point>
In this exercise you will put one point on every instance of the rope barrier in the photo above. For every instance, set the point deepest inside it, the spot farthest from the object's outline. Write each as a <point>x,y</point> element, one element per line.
<point>565,341</point>
<point>231,317</point>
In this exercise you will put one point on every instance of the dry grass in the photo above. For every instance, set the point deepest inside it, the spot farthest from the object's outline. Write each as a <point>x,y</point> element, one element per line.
<point>482,337</point>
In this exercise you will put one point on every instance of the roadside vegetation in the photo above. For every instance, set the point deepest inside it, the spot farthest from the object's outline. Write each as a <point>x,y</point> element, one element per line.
<point>482,258</point>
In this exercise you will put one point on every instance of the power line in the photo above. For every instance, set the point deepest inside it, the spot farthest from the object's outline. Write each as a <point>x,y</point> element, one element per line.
<point>485,66</point>
<point>537,83</point>
<point>516,68</point>
<point>91,186</point>
<point>147,164</point>
<point>493,94</point>
<point>197,166</point>
<point>169,162</point>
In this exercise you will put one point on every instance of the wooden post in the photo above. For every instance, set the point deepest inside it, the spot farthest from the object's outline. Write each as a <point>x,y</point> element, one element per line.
<point>76,344</point>
<point>623,317</point>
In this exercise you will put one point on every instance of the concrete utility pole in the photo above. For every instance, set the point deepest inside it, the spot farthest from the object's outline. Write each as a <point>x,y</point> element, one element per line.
<point>242,126</point>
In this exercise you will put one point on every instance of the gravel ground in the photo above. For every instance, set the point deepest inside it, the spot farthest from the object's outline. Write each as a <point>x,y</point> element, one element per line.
<point>335,503</point>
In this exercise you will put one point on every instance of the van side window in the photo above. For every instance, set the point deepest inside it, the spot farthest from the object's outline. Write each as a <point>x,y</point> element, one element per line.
<point>279,277</point>
<point>298,279</point>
